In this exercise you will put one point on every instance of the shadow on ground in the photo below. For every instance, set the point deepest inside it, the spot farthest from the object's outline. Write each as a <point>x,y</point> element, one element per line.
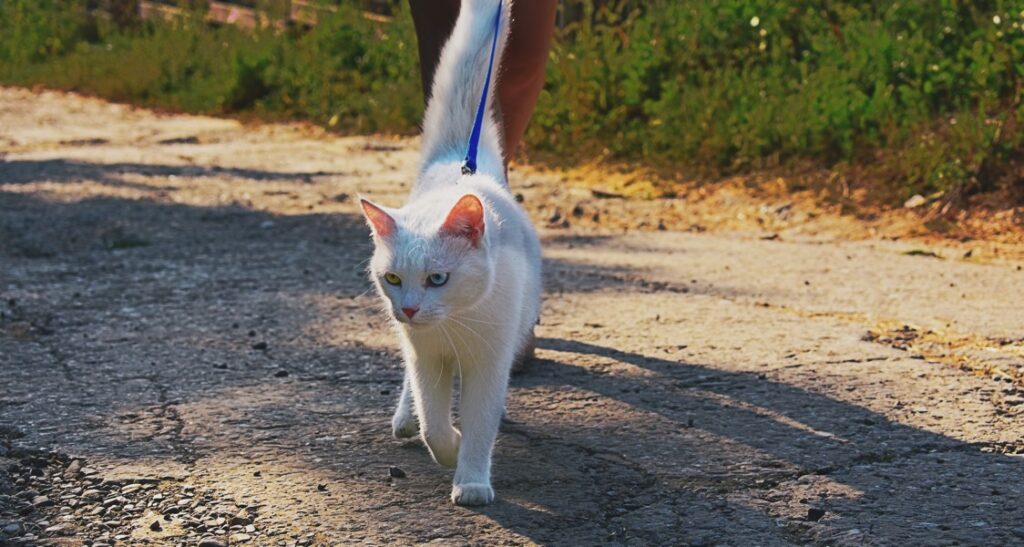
<point>227,342</point>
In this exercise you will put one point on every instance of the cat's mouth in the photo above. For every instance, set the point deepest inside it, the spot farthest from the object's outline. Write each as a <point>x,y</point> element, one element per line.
<point>415,321</point>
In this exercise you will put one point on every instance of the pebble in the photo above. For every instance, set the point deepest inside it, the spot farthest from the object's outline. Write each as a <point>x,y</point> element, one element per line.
<point>396,472</point>
<point>240,537</point>
<point>156,527</point>
<point>74,468</point>
<point>212,542</point>
<point>59,530</point>
<point>12,529</point>
<point>41,501</point>
<point>116,500</point>
<point>814,514</point>
<point>241,519</point>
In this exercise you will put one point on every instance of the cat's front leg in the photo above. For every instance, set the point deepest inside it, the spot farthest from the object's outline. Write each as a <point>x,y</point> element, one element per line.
<point>431,382</point>
<point>482,405</point>
<point>403,423</point>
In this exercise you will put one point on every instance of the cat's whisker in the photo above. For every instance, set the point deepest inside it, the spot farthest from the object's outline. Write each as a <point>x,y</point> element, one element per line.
<point>467,318</point>
<point>440,369</point>
<point>458,360</point>
<point>494,353</point>
<point>463,340</point>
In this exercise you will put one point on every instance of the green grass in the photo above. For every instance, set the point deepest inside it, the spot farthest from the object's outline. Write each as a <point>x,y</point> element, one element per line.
<point>914,96</point>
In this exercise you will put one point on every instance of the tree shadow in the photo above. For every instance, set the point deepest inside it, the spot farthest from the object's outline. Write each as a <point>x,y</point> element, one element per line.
<point>764,452</point>
<point>153,341</point>
<point>62,171</point>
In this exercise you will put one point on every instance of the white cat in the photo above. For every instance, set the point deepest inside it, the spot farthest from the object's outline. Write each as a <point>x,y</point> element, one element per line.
<point>459,267</point>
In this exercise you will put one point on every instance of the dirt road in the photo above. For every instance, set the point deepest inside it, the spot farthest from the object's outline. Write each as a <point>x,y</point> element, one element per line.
<point>188,352</point>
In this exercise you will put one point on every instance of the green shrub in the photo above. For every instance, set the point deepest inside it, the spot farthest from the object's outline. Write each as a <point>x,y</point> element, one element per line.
<point>918,95</point>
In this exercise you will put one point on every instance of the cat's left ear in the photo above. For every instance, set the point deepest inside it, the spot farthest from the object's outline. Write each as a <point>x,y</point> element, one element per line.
<point>466,220</point>
<point>378,219</point>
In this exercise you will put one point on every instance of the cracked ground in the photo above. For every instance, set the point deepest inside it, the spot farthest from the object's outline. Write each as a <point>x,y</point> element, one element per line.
<point>190,354</point>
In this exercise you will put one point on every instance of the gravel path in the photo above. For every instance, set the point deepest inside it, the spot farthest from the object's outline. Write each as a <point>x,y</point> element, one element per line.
<point>189,355</point>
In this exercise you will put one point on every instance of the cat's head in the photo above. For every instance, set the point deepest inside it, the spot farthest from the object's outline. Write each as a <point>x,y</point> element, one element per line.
<point>430,263</point>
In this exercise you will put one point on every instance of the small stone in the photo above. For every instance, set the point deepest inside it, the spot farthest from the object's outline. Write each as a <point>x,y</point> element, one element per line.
<point>261,346</point>
<point>131,488</point>
<point>156,527</point>
<point>92,493</point>
<point>74,468</point>
<point>12,529</point>
<point>396,472</point>
<point>239,538</point>
<point>814,514</point>
<point>210,541</point>
<point>916,201</point>
<point>241,519</point>
<point>321,487</point>
<point>279,374</point>
<point>250,529</point>
<point>41,501</point>
<point>116,500</point>
<point>59,530</point>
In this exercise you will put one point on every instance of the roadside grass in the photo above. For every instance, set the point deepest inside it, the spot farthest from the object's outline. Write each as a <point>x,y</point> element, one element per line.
<point>896,98</point>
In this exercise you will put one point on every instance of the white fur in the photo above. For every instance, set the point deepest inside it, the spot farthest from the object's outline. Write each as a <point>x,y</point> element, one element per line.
<point>476,323</point>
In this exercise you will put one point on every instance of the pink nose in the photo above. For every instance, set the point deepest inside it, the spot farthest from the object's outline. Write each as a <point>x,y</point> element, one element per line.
<point>409,312</point>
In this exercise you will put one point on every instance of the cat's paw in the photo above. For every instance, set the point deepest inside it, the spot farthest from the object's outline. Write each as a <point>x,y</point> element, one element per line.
<point>472,493</point>
<point>404,426</point>
<point>444,447</point>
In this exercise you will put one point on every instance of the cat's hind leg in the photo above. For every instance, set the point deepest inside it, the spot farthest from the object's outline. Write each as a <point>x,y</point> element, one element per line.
<point>403,423</point>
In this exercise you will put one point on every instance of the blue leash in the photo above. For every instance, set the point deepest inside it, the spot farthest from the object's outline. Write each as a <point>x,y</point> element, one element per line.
<point>469,164</point>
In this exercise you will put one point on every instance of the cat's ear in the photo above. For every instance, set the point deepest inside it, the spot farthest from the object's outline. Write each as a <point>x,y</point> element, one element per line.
<point>466,220</point>
<point>381,222</point>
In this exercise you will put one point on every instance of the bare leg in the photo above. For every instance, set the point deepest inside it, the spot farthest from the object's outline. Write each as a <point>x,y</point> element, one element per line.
<point>522,67</point>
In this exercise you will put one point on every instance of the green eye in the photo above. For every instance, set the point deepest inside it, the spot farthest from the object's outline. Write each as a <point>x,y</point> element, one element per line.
<point>437,279</point>
<point>392,279</point>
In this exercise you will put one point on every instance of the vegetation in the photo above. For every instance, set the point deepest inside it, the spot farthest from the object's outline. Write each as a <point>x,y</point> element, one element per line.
<point>917,96</point>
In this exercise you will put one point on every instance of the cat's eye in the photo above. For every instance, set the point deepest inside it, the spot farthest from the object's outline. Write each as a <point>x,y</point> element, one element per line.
<point>437,279</point>
<point>392,278</point>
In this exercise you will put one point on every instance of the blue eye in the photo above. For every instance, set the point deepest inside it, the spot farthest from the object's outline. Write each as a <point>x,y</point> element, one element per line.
<point>437,279</point>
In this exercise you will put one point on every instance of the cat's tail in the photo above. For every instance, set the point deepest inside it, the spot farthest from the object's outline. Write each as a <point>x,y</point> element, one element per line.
<point>458,85</point>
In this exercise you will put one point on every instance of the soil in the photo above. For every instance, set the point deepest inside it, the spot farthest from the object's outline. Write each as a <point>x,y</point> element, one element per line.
<point>190,354</point>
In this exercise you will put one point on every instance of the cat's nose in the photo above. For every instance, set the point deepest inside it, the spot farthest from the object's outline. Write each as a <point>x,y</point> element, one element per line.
<point>409,312</point>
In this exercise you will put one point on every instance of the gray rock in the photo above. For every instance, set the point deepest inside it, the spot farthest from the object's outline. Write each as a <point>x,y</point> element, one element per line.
<point>12,528</point>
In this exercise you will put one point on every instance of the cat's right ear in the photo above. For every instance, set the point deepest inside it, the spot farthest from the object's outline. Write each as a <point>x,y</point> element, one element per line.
<point>382,224</point>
